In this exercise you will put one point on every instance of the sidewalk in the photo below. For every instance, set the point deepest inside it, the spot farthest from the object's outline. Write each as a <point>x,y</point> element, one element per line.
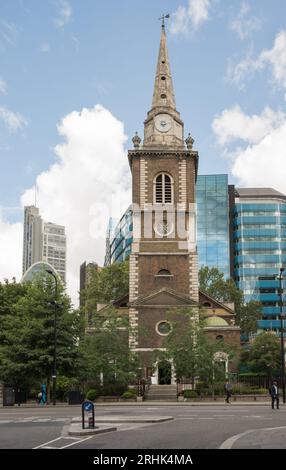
<point>146,403</point>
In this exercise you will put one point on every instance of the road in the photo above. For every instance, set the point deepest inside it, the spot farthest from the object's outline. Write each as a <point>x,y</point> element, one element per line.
<point>193,427</point>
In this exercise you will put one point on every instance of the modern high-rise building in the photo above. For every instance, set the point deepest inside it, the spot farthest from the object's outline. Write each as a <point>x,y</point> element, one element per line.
<point>32,240</point>
<point>43,242</point>
<point>54,247</point>
<point>119,238</point>
<point>213,242</point>
<point>259,235</point>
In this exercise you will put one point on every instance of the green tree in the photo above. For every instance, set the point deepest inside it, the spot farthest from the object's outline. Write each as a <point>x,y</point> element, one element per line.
<point>27,335</point>
<point>107,284</point>
<point>264,356</point>
<point>213,283</point>
<point>192,352</point>
<point>247,316</point>
<point>106,351</point>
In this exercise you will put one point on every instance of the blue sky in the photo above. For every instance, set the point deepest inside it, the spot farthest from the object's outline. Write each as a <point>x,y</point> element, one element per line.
<point>59,56</point>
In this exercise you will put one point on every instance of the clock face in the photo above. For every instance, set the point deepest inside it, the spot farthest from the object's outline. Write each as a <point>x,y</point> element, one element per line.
<point>163,122</point>
<point>164,228</point>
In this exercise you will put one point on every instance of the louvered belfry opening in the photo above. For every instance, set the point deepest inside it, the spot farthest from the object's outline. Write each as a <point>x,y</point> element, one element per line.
<point>163,189</point>
<point>159,189</point>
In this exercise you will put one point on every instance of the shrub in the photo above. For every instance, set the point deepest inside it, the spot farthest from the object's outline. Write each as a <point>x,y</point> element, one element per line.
<point>128,394</point>
<point>190,394</point>
<point>92,394</point>
<point>113,389</point>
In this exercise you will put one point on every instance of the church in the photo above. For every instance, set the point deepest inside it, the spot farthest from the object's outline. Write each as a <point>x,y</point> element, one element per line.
<point>163,259</point>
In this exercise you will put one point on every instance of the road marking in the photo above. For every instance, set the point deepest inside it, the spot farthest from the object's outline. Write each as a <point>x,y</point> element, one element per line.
<point>46,443</point>
<point>228,443</point>
<point>224,416</point>
<point>78,442</point>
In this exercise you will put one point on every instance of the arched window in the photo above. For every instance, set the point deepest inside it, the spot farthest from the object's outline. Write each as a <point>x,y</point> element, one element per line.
<point>163,189</point>
<point>206,304</point>
<point>164,272</point>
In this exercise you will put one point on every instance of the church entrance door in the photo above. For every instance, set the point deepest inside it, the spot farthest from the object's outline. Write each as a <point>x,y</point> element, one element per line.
<point>164,373</point>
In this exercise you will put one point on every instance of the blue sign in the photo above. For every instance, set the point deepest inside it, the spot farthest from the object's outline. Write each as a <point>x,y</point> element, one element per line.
<point>87,414</point>
<point>88,406</point>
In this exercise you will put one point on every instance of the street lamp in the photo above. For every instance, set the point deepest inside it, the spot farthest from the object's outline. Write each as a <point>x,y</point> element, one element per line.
<point>282,316</point>
<point>55,304</point>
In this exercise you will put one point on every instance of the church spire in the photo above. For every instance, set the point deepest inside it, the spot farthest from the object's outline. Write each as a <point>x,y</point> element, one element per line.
<point>163,95</point>
<point>163,126</point>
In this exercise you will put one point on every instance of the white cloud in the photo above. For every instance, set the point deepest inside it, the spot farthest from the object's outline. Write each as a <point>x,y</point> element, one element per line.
<point>274,58</point>
<point>261,161</point>
<point>45,47</point>
<point>90,179</point>
<point>244,25</point>
<point>233,125</point>
<point>3,87</point>
<point>191,17</point>
<point>64,13</point>
<point>11,242</point>
<point>13,121</point>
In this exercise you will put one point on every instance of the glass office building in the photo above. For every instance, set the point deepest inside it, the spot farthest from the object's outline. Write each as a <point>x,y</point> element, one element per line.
<point>119,239</point>
<point>259,234</point>
<point>213,222</point>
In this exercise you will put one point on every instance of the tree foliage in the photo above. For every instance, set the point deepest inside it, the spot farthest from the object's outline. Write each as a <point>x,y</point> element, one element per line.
<point>105,353</point>
<point>213,283</point>
<point>107,284</point>
<point>192,352</point>
<point>265,355</point>
<point>27,333</point>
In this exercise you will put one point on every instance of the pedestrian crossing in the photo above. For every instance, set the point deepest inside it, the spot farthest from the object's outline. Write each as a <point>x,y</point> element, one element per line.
<point>34,419</point>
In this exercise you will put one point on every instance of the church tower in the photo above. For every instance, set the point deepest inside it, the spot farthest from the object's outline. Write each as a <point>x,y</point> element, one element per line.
<point>163,261</point>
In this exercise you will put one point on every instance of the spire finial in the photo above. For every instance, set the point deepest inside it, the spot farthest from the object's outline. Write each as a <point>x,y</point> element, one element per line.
<point>162,18</point>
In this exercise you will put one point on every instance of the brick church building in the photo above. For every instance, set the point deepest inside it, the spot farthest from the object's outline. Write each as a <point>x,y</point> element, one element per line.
<point>163,260</point>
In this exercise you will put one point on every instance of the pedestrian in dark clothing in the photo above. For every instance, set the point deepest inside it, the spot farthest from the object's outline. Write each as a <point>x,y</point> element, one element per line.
<point>228,389</point>
<point>274,393</point>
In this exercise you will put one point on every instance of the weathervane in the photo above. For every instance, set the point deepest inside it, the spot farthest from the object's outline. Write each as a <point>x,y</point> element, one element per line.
<point>162,18</point>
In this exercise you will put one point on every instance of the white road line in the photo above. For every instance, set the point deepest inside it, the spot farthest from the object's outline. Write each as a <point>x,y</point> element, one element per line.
<point>224,416</point>
<point>46,443</point>
<point>228,444</point>
<point>74,443</point>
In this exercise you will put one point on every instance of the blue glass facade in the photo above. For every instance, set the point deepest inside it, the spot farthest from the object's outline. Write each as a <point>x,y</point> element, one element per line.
<point>213,222</point>
<point>120,239</point>
<point>259,228</point>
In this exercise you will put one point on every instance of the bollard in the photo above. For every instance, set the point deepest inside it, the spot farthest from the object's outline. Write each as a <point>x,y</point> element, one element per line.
<point>87,409</point>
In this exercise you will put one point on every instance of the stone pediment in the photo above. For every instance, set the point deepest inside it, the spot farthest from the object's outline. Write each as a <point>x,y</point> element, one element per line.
<point>164,298</point>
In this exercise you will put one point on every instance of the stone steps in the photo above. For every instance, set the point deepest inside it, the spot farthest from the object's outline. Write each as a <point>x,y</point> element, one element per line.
<point>162,392</point>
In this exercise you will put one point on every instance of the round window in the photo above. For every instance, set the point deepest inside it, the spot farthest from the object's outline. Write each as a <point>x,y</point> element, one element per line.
<point>163,328</point>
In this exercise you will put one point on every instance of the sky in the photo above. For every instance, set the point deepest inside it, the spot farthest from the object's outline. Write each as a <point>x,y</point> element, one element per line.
<point>76,82</point>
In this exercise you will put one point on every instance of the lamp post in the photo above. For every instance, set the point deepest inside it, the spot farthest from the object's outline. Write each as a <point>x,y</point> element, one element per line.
<point>282,316</point>
<point>55,304</point>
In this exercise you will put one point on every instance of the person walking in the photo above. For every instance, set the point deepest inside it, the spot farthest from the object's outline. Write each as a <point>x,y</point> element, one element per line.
<point>228,389</point>
<point>39,397</point>
<point>274,393</point>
